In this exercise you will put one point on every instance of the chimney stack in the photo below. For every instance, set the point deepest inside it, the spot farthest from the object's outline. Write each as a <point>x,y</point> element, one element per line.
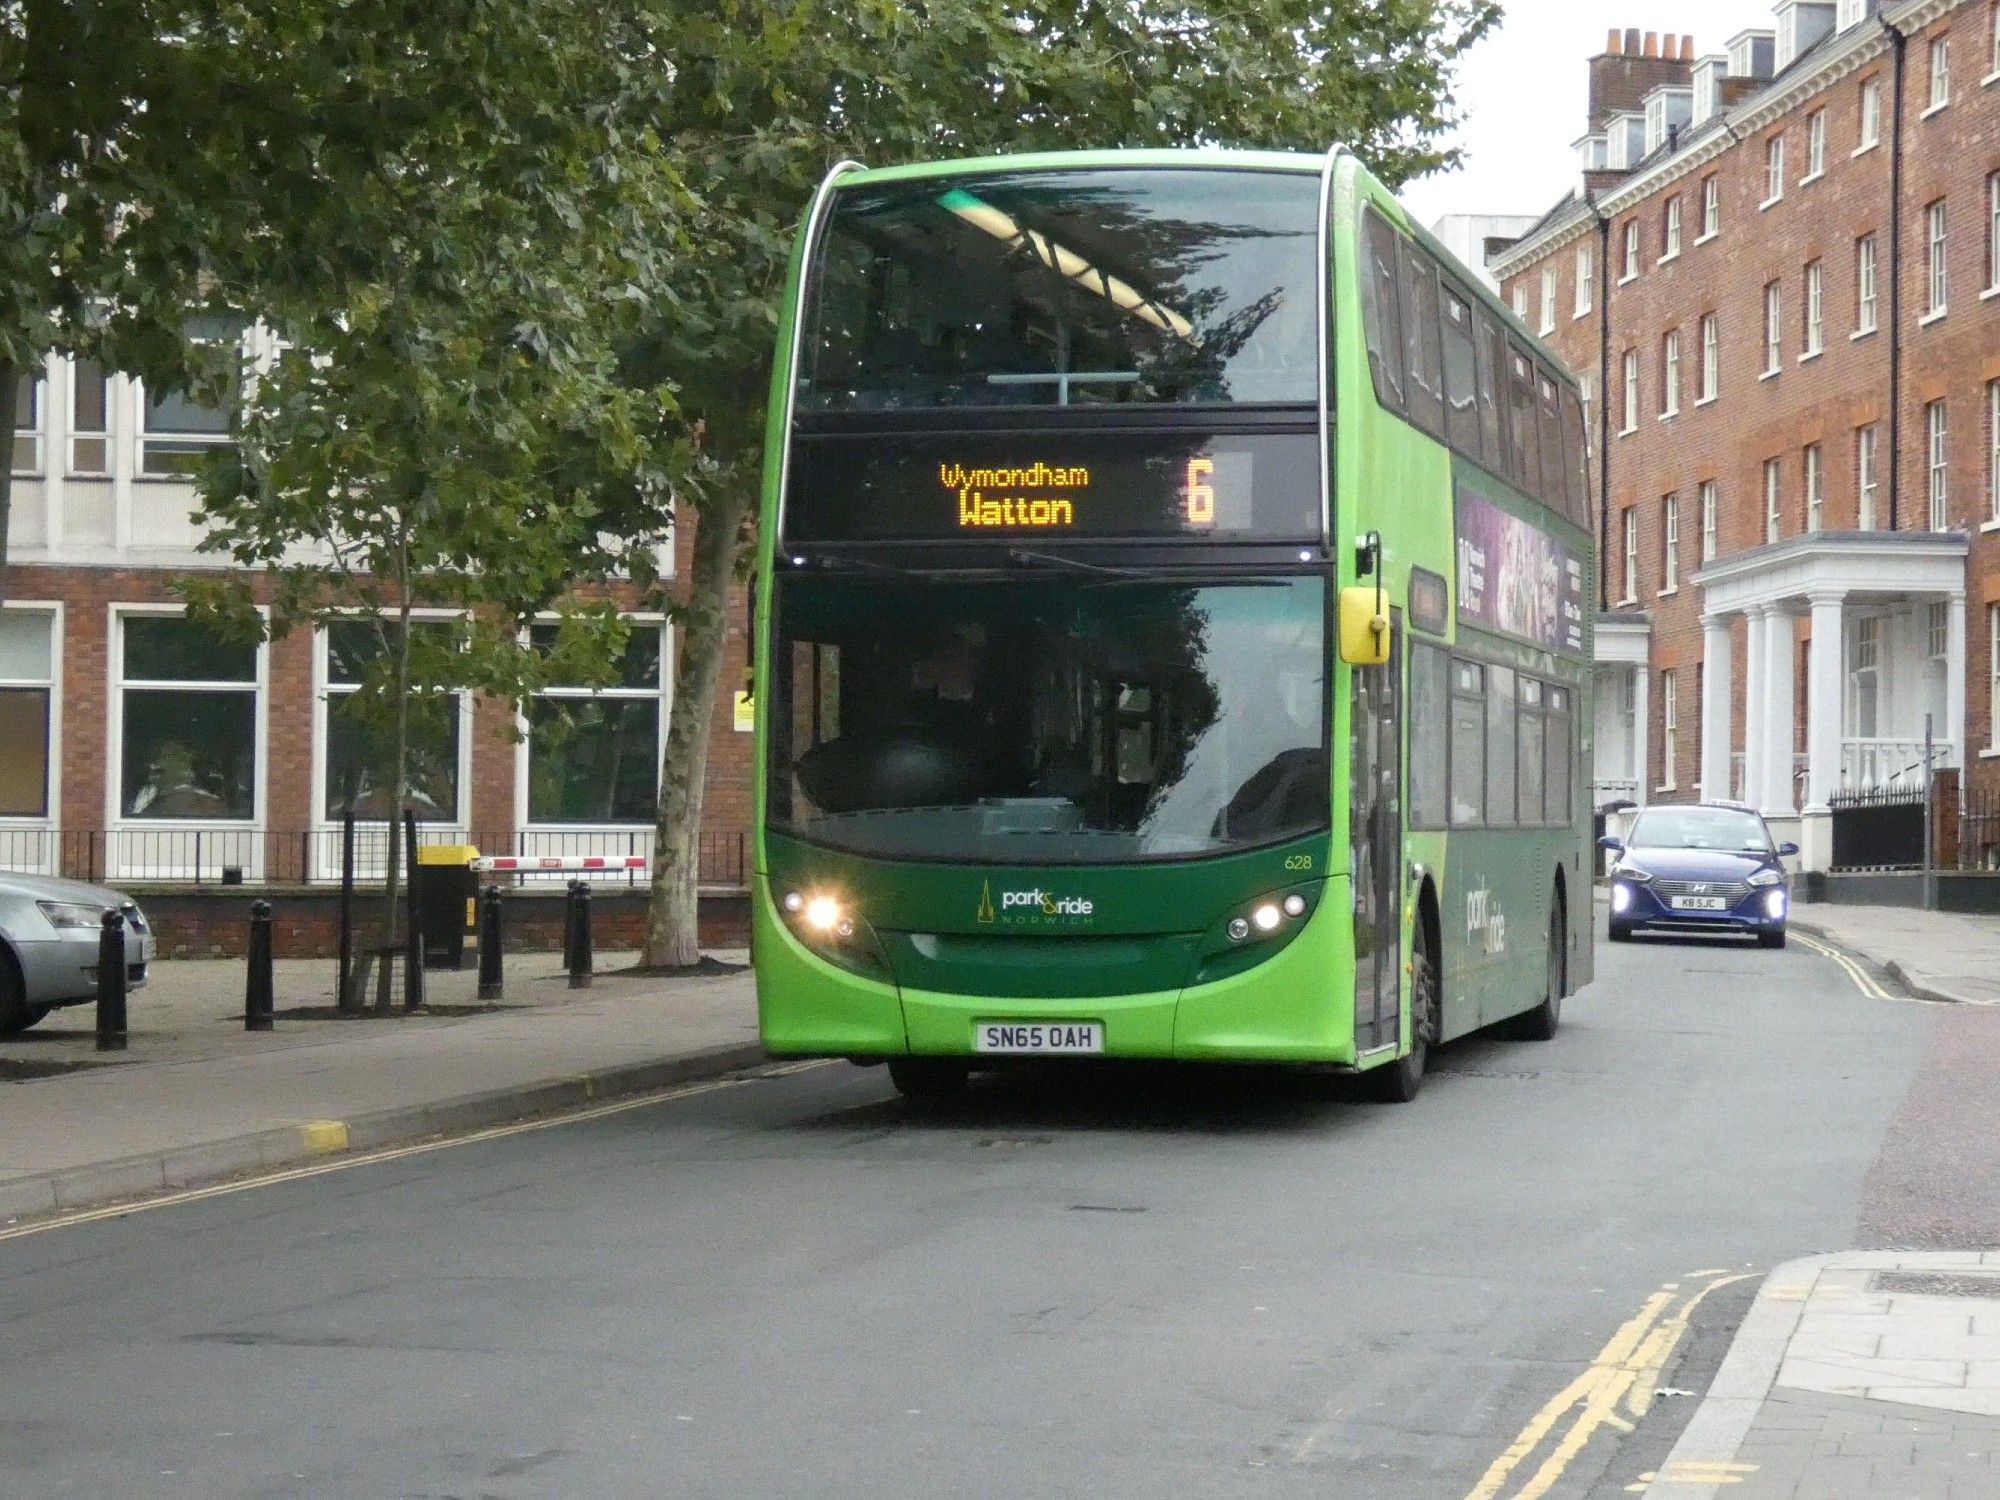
<point>1687,50</point>
<point>1614,42</point>
<point>1632,41</point>
<point>1652,48</point>
<point>1632,65</point>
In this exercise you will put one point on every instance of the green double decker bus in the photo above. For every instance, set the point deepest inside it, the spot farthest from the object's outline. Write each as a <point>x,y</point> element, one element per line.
<point>1170,636</point>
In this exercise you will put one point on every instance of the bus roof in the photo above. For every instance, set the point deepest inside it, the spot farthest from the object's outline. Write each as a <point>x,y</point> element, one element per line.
<point>1038,161</point>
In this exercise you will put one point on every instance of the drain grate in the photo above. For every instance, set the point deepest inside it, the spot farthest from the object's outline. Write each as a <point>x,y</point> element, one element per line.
<point>1937,1283</point>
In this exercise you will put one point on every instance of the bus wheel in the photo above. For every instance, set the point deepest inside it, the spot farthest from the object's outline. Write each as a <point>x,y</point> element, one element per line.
<point>928,1080</point>
<point>1539,1024</point>
<point>1399,1081</point>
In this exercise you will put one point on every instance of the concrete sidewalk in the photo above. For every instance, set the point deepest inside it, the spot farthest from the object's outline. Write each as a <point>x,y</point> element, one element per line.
<point>195,1098</point>
<point>1938,955</point>
<point>1868,1374</point>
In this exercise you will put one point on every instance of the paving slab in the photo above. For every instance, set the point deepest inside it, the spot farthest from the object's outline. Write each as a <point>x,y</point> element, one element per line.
<point>1907,1406</point>
<point>1936,955</point>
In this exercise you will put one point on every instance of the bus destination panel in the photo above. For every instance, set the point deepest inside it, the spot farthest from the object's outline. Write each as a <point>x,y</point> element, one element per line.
<point>973,486</point>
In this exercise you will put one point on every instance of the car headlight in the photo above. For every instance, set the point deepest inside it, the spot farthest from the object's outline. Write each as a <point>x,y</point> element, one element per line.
<point>1636,873</point>
<point>1768,877</point>
<point>68,916</point>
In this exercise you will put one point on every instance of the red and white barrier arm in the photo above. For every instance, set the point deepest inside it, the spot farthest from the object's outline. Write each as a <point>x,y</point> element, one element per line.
<point>558,864</point>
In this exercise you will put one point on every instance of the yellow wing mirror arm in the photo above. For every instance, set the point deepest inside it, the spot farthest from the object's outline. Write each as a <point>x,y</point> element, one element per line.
<point>1364,609</point>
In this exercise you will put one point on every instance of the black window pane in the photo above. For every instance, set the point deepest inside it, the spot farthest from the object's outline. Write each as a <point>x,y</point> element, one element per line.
<point>1066,288</point>
<point>1532,767</point>
<point>638,665</point>
<point>24,752</point>
<point>1461,380</point>
<point>1554,488</point>
<point>90,400</point>
<point>189,754</point>
<point>1468,744</point>
<point>168,648</point>
<point>1499,746</point>
<point>353,647</point>
<point>1424,379</point>
<point>1429,740</point>
<point>1576,478</point>
<point>1381,317</point>
<point>593,760</point>
<point>360,760</point>
<point>1492,352</point>
<point>1527,441</point>
<point>1558,760</point>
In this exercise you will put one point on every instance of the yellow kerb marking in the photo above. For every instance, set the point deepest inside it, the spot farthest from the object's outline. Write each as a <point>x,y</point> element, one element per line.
<point>324,1137</point>
<point>1626,1370</point>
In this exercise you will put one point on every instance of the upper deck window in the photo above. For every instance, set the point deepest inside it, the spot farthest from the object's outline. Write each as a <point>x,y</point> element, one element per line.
<point>1066,288</point>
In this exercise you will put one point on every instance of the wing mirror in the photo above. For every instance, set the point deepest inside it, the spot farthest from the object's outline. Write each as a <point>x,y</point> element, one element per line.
<point>1788,848</point>
<point>1364,609</point>
<point>1615,845</point>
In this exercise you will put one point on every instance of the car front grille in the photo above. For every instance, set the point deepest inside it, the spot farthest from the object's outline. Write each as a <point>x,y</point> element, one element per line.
<point>1731,891</point>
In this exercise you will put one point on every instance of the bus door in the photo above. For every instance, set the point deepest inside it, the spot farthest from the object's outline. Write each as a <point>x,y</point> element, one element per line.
<point>1375,843</point>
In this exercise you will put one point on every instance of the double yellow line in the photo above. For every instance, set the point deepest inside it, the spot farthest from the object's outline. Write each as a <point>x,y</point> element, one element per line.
<point>1863,980</point>
<point>1617,1388</point>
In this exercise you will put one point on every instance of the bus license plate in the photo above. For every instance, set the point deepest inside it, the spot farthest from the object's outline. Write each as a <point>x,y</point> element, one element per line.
<point>1038,1036</point>
<point>1700,903</point>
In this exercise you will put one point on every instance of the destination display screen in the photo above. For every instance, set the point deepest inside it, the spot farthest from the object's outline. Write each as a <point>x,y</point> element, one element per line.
<point>989,486</point>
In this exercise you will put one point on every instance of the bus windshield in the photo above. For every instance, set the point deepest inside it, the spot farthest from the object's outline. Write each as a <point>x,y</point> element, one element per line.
<point>1048,720</point>
<point>1066,288</point>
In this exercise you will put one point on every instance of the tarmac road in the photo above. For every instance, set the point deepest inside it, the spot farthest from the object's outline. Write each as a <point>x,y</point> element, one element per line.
<point>1097,1283</point>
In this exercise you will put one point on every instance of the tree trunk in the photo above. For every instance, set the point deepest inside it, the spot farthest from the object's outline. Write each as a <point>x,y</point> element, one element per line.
<point>10,386</point>
<point>399,789</point>
<point>672,936</point>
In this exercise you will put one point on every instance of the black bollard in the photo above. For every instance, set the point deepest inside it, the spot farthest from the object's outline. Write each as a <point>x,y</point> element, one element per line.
<point>413,970</point>
<point>257,984</point>
<point>111,983</point>
<point>569,925</point>
<point>579,957</point>
<point>490,918</point>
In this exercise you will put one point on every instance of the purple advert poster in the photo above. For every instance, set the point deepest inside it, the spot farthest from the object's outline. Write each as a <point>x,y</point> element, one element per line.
<point>1516,578</point>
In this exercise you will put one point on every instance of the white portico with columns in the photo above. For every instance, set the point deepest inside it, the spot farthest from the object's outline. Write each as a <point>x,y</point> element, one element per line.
<point>1886,614</point>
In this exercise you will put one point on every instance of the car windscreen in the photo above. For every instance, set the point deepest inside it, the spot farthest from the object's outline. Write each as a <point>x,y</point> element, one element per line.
<point>1066,288</point>
<point>1700,828</point>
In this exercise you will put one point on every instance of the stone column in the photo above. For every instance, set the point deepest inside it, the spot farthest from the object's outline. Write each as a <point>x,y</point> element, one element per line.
<point>1716,674</point>
<point>1781,642</point>
<point>1825,676</point>
<point>1756,667</point>
<point>1642,734</point>
<point>1954,678</point>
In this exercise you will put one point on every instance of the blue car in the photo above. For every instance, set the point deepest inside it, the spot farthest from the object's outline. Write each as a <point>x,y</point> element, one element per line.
<point>1703,868</point>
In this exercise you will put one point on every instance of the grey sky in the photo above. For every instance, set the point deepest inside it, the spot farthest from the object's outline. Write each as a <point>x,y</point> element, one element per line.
<point>1522,93</point>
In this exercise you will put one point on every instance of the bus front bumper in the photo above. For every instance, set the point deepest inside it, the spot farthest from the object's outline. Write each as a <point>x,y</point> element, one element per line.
<point>1296,1006</point>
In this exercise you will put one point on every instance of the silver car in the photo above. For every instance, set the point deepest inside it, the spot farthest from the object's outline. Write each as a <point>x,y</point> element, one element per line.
<point>49,932</point>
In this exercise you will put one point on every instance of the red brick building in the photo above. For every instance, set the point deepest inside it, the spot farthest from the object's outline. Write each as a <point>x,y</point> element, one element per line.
<point>133,748</point>
<point>1779,276</point>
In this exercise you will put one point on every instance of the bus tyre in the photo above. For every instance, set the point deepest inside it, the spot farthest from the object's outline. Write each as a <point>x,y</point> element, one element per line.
<point>1539,1024</point>
<point>928,1080</point>
<point>1398,1082</point>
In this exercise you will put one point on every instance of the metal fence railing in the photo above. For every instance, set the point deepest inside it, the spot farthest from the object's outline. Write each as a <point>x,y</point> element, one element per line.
<point>243,855</point>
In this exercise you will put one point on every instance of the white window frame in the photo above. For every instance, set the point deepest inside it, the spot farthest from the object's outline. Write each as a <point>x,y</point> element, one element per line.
<point>1937,445</point>
<point>1670,374</point>
<point>1867,474</point>
<point>1630,537</point>
<point>147,436</point>
<point>1815,147</point>
<point>1937,629</point>
<point>1708,520</point>
<point>34,433</point>
<point>1670,566</point>
<point>1993,679</point>
<point>1670,730</point>
<point>1548,320</point>
<point>1671,234</point>
<point>78,433</point>
<point>1773,499</point>
<point>30,829</point>
<point>1774,170</point>
<point>1992,455</point>
<point>1774,329</point>
<point>237,841</point>
<point>1711,208</point>
<point>1631,394</point>
<point>1992,44</point>
<point>1992,235</point>
<point>663,694</point>
<point>1864,286</point>
<point>1870,106</point>
<point>1585,272</point>
<point>1815,473</point>
<point>1936,287</point>
<point>1520,300</point>
<point>325,690</point>
<point>1815,311</point>
<point>1711,359</point>
<point>1940,76</point>
<point>1631,251</point>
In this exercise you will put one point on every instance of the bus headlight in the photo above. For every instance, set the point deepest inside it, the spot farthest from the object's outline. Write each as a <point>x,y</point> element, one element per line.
<point>832,928</point>
<point>822,914</point>
<point>1267,917</point>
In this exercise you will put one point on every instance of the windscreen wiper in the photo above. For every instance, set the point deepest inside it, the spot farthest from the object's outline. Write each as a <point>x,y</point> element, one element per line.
<point>1025,555</point>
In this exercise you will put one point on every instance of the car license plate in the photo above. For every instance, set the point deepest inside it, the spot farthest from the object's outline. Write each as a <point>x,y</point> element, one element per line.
<point>1700,903</point>
<point>1057,1037</point>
